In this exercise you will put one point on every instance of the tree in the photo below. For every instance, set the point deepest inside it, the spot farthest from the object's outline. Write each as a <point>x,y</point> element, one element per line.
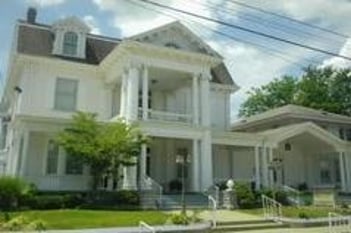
<point>325,89</point>
<point>104,147</point>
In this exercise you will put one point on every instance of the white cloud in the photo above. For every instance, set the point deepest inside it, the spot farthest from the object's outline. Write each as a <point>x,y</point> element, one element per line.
<point>45,3</point>
<point>339,62</point>
<point>92,23</point>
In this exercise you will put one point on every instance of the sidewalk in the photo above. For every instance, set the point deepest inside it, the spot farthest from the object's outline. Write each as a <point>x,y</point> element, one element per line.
<point>228,215</point>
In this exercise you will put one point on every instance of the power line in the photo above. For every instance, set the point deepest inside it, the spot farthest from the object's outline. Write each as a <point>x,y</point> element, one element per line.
<point>268,50</point>
<point>288,18</point>
<point>260,21</point>
<point>262,34</point>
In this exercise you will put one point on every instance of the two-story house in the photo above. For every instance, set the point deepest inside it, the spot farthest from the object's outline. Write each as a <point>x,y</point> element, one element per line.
<point>177,89</point>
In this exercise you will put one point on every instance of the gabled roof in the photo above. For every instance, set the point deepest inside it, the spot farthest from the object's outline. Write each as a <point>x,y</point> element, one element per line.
<point>283,133</point>
<point>291,111</point>
<point>205,48</point>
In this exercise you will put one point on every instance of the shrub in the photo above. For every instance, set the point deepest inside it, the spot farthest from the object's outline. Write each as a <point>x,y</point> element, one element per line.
<point>303,215</point>
<point>21,223</point>
<point>245,196</point>
<point>107,200</point>
<point>302,186</point>
<point>175,185</point>
<point>12,191</point>
<point>46,202</point>
<point>180,219</point>
<point>37,225</point>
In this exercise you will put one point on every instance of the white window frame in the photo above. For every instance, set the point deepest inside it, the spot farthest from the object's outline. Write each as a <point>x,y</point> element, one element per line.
<point>67,37</point>
<point>56,95</point>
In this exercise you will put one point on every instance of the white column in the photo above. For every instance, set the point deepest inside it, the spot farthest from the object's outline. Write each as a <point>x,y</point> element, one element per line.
<point>145,101</point>
<point>342,171</point>
<point>206,161</point>
<point>132,93</point>
<point>205,100</point>
<point>24,153</point>
<point>143,156</point>
<point>124,96</point>
<point>257,168</point>
<point>196,166</point>
<point>196,99</point>
<point>264,166</point>
<point>270,171</point>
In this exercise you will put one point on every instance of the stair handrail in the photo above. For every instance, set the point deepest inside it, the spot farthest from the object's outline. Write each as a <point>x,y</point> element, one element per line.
<point>147,183</point>
<point>212,203</point>
<point>272,209</point>
<point>338,223</point>
<point>214,191</point>
<point>295,192</point>
<point>144,225</point>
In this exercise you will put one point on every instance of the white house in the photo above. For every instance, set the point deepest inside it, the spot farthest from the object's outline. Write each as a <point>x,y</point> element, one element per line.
<point>178,90</point>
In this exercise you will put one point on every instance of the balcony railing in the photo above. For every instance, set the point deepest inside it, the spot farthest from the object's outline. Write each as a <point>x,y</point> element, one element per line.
<point>166,116</point>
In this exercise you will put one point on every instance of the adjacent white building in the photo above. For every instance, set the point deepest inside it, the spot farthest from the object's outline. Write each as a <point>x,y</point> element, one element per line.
<point>178,90</point>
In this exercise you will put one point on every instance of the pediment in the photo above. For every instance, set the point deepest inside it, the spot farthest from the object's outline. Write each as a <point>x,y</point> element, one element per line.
<point>71,23</point>
<point>177,36</point>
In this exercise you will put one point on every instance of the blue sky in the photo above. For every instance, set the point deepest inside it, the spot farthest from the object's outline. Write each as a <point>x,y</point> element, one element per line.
<point>250,65</point>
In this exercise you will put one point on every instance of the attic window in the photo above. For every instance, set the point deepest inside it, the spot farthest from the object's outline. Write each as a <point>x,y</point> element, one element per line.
<point>172,45</point>
<point>70,44</point>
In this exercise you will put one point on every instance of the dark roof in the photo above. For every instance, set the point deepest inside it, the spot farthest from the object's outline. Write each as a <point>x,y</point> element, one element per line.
<point>38,39</point>
<point>35,40</point>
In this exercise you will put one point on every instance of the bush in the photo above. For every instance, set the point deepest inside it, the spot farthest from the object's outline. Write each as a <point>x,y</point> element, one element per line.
<point>303,215</point>
<point>12,191</point>
<point>175,185</point>
<point>46,202</point>
<point>180,219</point>
<point>245,196</point>
<point>113,199</point>
<point>21,223</point>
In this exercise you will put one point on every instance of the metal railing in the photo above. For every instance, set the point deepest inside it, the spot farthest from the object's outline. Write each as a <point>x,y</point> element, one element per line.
<point>272,209</point>
<point>166,116</point>
<point>214,191</point>
<point>338,223</point>
<point>294,195</point>
<point>144,227</point>
<point>212,204</point>
<point>148,184</point>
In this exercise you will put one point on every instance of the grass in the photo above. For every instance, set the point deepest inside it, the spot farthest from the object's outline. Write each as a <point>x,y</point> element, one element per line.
<point>295,212</point>
<point>80,219</point>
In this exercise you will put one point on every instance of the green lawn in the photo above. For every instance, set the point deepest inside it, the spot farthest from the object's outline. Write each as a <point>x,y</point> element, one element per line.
<point>75,219</point>
<point>309,211</point>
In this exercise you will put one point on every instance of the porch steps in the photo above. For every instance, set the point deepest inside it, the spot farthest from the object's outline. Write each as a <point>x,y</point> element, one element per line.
<point>247,225</point>
<point>193,201</point>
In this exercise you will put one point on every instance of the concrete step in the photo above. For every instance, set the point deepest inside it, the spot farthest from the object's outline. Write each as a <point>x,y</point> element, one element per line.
<point>249,227</point>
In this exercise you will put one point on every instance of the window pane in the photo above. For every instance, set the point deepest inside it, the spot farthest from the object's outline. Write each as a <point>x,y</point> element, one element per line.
<point>70,43</point>
<point>73,165</point>
<point>52,158</point>
<point>66,94</point>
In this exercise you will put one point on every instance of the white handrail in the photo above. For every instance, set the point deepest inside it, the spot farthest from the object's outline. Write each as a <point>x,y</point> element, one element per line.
<point>144,225</point>
<point>338,223</point>
<point>271,208</point>
<point>149,183</point>
<point>212,201</point>
<point>295,192</point>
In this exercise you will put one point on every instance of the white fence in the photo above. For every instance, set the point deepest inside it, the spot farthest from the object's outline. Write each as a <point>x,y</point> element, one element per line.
<point>294,195</point>
<point>212,204</point>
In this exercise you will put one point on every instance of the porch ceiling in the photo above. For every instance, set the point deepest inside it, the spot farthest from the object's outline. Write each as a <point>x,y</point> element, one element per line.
<point>163,79</point>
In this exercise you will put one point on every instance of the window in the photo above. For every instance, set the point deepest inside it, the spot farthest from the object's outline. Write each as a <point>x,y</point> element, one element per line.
<point>4,127</point>
<point>74,166</point>
<point>66,94</point>
<point>52,158</point>
<point>70,43</point>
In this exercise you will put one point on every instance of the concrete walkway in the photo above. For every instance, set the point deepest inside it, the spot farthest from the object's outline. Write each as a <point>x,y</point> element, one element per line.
<point>228,215</point>
<point>290,230</point>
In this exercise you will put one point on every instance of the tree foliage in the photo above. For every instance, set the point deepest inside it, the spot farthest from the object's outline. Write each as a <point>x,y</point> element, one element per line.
<point>102,146</point>
<point>326,89</point>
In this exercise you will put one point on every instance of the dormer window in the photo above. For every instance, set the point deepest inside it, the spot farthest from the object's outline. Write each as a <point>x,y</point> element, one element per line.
<point>172,45</point>
<point>70,44</point>
<point>70,37</point>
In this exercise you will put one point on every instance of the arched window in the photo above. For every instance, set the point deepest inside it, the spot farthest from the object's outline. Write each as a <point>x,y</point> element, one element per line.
<point>70,43</point>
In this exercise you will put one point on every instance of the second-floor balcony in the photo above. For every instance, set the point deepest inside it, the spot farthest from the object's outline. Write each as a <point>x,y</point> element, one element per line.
<point>165,116</point>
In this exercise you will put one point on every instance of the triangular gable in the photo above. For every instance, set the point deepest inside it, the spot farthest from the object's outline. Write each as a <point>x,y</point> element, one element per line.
<point>276,136</point>
<point>175,35</point>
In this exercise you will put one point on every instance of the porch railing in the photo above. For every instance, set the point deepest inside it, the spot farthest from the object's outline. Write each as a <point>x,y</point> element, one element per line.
<point>166,116</point>
<point>338,223</point>
<point>144,227</point>
<point>214,191</point>
<point>294,195</point>
<point>153,189</point>
<point>212,204</point>
<point>272,209</point>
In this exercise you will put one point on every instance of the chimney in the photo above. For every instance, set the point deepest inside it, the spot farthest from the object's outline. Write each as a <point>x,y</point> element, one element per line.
<point>31,15</point>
